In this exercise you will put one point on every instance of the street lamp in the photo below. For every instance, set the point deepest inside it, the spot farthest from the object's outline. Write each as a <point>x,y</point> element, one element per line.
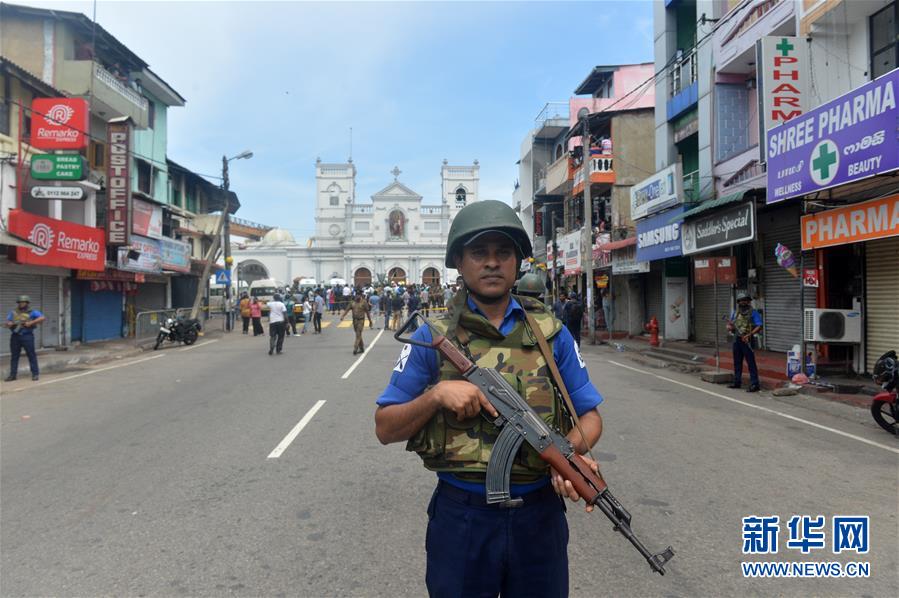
<point>244,155</point>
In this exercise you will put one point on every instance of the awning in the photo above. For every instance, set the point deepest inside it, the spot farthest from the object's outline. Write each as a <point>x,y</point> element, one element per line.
<point>617,244</point>
<point>7,238</point>
<point>709,205</point>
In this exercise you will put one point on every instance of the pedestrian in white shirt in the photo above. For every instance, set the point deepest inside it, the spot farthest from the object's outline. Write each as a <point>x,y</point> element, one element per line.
<point>307,313</point>
<point>277,314</point>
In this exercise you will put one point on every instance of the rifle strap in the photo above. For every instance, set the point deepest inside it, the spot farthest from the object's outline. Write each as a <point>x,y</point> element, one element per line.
<point>557,377</point>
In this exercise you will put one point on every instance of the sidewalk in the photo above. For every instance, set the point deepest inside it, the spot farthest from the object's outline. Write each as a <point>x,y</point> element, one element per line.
<point>80,356</point>
<point>697,358</point>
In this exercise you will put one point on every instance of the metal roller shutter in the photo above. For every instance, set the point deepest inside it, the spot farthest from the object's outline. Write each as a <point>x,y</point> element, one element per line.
<point>44,294</point>
<point>782,317</point>
<point>706,315</point>
<point>881,291</point>
<point>50,307</point>
<point>102,315</point>
<point>655,294</point>
<point>150,297</point>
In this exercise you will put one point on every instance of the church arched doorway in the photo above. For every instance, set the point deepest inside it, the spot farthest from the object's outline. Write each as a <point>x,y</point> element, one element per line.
<point>362,278</point>
<point>397,275</point>
<point>430,277</point>
<point>251,270</point>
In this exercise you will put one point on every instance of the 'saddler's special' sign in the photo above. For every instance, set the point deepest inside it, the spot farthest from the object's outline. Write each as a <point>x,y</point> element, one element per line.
<point>118,183</point>
<point>146,219</point>
<point>62,244</point>
<point>875,219</point>
<point>850,138</point>
<point>785,73</point>
<point>662,190</point>
<point>719,229</point>
<point>657,238</point>
<point>59,123</point>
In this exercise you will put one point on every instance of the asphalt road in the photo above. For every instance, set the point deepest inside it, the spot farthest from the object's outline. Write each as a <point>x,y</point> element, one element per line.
<point>158,476</point>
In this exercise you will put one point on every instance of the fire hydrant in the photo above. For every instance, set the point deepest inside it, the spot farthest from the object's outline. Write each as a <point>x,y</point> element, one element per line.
<point>653,329</point>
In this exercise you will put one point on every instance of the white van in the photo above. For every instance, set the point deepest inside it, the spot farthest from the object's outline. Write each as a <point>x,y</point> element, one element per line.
<point>264,290</point>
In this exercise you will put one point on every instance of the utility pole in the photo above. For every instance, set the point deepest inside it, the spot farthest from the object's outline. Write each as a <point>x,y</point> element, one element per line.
<point>227,241</point>
<point>587,253</point>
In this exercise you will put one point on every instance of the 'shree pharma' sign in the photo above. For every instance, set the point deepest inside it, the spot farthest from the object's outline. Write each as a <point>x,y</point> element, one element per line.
<point>846,140</point>
<point>118,183</point>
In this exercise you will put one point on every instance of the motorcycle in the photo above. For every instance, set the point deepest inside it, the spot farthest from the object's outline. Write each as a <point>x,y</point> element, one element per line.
<point>885,405</point>
<point>178,331</point>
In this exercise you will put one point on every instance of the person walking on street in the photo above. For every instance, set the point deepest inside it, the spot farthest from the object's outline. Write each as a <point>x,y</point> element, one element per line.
<point>256,316</point>
<point>476,548</point>
<point>360,310</point>
<point>307,313</point>
<point>396,306</point>
<point>277,324</point>
<point>387,301</point>
<point>574,314</point>
<point>744,324</point>
<point>559,306</point>
<point>347,296</point>
<point>332,300</point>
<point>21,322</point>
<point>374,300</point>
<point>290,323</point>
<point>319,307</point>
<point>245,312</point>
<point>424,297</point>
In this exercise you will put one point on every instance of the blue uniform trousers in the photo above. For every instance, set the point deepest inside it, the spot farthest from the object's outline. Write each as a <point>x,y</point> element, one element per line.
<point>477,550</point>
<point>17,342</point>
<point>742,350</point>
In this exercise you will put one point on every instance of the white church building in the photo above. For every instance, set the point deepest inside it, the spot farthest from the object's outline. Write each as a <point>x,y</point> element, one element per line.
<point>393,237</point>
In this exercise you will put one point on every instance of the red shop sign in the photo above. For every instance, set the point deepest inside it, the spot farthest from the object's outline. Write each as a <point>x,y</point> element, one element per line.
<point>59,123</point>
<point>64,244</point>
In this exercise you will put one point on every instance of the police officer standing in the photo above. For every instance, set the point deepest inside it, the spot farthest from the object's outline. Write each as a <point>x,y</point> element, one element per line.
<point>361,311</point>
<point>474,548</point>
<point>22,322</point>
<point>745,323</point>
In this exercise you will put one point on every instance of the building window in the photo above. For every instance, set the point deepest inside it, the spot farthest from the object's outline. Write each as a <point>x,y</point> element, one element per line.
<point>732,120</point>
<point>5,106</point>
<point>884,34</point>
<point>144,177</point>
<point>335,200</point>
<point>460,196</point>
<point>151,114</point>
<point>362,225</point>
<point>432,225</point>
<point>97,155</point>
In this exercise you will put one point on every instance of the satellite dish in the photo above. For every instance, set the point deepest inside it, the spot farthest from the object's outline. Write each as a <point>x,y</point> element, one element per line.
<point>583,113</point>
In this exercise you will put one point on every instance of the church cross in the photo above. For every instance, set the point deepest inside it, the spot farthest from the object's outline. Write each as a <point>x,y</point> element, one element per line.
<point>395,172</point>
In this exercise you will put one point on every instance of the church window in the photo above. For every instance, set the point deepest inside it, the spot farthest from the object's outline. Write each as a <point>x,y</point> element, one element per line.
<point>362,225</point>
<point>460,196</point>
<point>432,225</point>
<point>335,200</point>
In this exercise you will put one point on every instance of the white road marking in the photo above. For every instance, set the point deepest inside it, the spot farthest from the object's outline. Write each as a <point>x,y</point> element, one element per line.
<point>347,373</point>
<point>760,408</point>
<point>199,345</point>
<point>295,432</point>
<point>73,376</point>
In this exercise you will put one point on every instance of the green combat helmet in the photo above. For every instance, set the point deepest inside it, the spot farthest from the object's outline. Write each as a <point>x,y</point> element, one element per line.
<point>483,216</point>
<point>531,285</point>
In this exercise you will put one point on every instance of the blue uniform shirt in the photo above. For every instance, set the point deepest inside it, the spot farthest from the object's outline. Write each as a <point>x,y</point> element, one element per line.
<point>419,367</point>
<point>32,315</point>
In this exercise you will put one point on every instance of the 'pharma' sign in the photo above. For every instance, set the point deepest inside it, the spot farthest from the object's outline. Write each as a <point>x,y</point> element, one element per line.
<point>783,86</point>
<point>658,238</point>
<point>846,140</point>
<point>720,229</point>
<point>662,190</point>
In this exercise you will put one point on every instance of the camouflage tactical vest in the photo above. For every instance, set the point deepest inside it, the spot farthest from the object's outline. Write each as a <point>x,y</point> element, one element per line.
<point>743,323</point>
<point>463,447</point>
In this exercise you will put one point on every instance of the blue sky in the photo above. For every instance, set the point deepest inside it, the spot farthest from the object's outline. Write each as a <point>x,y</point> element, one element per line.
<point>417,81</point>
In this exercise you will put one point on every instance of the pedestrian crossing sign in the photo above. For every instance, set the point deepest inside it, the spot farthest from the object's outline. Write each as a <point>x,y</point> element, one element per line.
<point>222,277</point>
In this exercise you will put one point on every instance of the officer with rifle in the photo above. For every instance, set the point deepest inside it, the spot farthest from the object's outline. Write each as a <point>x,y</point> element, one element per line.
<point>21,323</point>
<point>477,546</point>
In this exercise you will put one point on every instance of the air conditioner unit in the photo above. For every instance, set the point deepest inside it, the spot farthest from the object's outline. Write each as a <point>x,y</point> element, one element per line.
<point>833,326</point>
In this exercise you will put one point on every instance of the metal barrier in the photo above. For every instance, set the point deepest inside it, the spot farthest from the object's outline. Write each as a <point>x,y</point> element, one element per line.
<point>147,323</point>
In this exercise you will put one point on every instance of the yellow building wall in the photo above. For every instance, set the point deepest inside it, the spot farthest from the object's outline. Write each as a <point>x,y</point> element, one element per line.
<point>21,96</point>
<point>22,41</point>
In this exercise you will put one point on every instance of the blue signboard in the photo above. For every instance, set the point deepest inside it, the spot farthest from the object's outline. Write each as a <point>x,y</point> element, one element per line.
<point>657,238</point>
<point>223,277</point>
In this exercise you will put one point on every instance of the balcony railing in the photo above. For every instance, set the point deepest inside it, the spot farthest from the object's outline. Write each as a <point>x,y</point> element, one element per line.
<point>691,187</point>
<point>683,73</point>
<point>116,85</point>
<point>363,209</point>
<point>558,175</point>
<point>431,210</point>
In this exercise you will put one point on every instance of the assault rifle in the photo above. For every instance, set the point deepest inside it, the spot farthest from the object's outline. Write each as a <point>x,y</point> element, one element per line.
<point>519,423</point>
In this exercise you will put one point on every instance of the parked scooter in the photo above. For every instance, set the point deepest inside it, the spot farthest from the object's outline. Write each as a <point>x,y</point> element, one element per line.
<point>178,330</point>
<point>885,405</point>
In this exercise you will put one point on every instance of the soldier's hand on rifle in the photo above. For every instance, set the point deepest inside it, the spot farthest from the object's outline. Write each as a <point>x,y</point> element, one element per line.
<point>463,398</point>
<point>564,488</point>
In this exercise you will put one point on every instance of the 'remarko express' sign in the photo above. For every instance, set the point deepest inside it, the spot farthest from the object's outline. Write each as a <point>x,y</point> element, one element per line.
<point>720,229</point>
<point>657,238</point>
<point>851,138</point>
<point>118,183</point>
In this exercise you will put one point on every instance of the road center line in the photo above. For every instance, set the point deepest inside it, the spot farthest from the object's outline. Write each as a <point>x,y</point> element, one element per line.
<point>295,432</point>
<point>98,370</point>
<point>203,344</point>
<point>347,373</point>
<point>760,408</point>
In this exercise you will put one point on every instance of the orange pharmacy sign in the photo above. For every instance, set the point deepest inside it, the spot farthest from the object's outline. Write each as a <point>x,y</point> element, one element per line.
<point>863,221</point>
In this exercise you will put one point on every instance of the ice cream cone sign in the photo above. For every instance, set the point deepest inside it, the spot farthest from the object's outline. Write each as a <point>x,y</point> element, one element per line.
<point>786,260</point>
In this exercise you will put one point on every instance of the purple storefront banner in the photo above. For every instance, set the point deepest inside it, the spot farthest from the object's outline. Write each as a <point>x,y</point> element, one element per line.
<point>849,139</point>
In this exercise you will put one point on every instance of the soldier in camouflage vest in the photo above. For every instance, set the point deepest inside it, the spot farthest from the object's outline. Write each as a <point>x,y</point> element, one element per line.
<point>475,548</point>
<point>744,324</point>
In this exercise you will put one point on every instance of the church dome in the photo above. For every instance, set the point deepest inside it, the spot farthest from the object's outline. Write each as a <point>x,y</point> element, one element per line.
<point>278,236</point>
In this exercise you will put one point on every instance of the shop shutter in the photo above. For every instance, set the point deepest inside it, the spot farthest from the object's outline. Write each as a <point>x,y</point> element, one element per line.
<point>150,297</point>
<point>655,294</point>
<point>13,285</point>
<point>881,292</point>
<point>102,316</point>
<point>50,336</point>
<point>706,315</point>
<point>782,317</point>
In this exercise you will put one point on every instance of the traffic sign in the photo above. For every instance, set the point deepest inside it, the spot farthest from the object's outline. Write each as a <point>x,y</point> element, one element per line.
<point>223,277</point>
<point>58,167</point>
<point>76,193</point>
